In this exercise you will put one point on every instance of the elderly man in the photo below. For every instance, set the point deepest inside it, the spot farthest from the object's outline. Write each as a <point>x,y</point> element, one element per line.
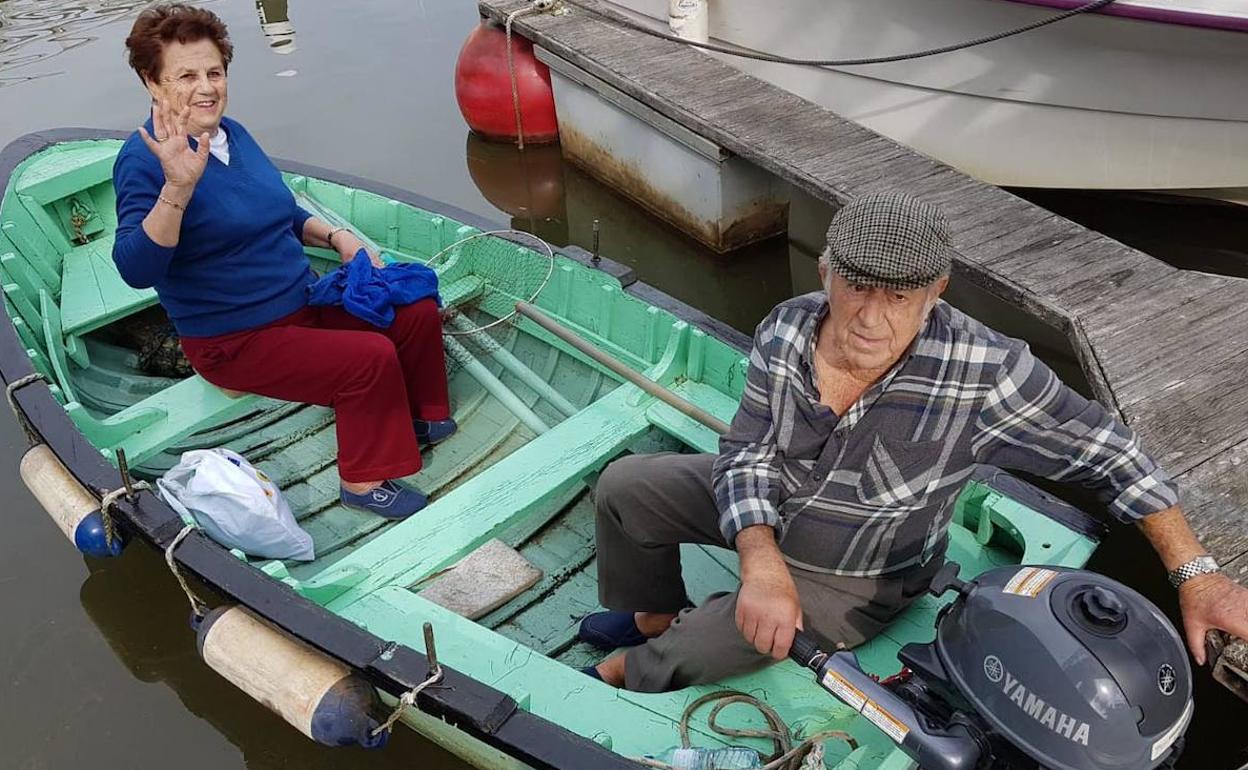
<point>866,408</point>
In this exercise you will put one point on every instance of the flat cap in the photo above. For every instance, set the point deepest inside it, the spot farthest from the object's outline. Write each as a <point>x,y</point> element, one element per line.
<point>889,240</point>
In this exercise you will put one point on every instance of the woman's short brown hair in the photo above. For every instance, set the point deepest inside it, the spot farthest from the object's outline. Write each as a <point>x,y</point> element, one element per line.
<point>162,24</point>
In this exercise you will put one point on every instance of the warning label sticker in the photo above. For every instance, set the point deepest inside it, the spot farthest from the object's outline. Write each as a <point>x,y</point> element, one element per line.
<point>889,724</point>
<point>1029,581</point>
<point>842,689</point>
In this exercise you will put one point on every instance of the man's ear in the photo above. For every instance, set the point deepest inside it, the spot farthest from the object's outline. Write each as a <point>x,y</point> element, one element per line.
<point>941,284</point>
<point>823,275</point>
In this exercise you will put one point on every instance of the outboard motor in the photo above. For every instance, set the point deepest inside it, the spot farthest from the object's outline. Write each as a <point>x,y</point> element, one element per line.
<point>1031,666</point>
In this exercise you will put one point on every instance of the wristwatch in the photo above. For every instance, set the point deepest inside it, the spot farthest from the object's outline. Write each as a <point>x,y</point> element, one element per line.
<point>1200,565</point>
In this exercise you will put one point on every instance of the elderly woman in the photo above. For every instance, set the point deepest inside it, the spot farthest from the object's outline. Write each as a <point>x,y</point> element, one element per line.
<point>204,217</point>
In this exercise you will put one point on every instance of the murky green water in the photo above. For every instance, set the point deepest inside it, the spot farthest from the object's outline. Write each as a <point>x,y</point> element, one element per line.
<point>97,664</point>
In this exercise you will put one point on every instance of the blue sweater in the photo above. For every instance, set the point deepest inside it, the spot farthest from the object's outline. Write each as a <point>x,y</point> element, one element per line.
<point>239,262</point>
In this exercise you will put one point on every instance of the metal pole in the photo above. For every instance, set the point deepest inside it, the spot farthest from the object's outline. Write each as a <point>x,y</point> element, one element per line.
<point>649,386</point>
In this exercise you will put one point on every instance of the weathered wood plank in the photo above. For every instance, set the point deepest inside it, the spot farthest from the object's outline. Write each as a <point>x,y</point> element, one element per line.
<point>1171,346</point>
<point>1215,496</point>
<point>1191,419</point>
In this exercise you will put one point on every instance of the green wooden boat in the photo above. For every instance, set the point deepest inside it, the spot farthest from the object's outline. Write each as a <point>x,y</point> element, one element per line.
<point>521,469</point>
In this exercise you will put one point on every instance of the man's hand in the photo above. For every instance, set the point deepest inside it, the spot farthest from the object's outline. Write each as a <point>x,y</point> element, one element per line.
<point>1208,602</point>
<point>768,610</point>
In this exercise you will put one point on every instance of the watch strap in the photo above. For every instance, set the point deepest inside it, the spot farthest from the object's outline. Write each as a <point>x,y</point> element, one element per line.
<point>1200,565</point>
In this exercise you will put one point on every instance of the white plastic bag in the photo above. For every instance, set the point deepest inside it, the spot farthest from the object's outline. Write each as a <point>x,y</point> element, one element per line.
<point>237,505</point>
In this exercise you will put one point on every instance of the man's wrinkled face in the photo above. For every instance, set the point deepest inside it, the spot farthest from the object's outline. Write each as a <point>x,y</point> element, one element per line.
<point>872,327</point>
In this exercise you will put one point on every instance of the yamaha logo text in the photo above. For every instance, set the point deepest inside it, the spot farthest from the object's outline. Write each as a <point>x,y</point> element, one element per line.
<point>1063,724</point>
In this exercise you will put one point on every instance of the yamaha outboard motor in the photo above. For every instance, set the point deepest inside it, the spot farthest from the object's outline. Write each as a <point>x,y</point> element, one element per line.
<point>1031,667</point>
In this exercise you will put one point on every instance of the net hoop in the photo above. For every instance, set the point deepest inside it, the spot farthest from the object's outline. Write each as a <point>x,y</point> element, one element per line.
<point>550,270</point>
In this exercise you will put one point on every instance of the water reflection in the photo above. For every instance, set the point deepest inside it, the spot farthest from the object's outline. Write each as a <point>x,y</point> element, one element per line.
<point>141,614</point>
<point>276,26</point>
<point>34,31</point>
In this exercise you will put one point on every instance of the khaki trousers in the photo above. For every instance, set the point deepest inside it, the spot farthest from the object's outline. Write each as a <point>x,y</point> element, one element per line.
<point>647,505</point>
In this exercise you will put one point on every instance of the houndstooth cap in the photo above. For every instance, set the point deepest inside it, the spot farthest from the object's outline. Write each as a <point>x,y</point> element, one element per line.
<point>889,240</point>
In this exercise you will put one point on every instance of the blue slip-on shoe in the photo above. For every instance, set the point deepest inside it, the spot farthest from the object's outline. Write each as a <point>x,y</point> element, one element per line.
<point>430,432</point>
<point>611,629</point>
<point>390,500</point>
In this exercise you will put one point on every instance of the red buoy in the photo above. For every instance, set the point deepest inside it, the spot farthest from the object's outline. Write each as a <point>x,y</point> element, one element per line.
<point>483,88</point>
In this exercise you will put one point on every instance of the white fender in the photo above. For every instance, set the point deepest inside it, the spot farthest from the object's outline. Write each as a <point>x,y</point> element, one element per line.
<point>74,509</point>
<point>316,694</point>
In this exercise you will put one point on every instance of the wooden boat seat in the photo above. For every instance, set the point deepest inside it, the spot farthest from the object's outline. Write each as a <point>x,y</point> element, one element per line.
<point>92,291</point>
<point>145,428</point>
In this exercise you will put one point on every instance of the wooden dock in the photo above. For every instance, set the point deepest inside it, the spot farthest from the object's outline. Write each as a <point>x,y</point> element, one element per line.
<point>1164,347</point>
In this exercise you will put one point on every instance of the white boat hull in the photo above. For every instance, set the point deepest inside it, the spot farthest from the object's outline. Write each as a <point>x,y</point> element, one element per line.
<point>1093,102</point>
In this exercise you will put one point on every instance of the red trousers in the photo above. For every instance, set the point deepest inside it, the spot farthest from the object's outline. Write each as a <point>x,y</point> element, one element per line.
<point>377,380</point>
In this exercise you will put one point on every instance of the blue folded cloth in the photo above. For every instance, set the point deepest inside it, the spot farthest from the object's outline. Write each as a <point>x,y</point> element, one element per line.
<point>372,293</point>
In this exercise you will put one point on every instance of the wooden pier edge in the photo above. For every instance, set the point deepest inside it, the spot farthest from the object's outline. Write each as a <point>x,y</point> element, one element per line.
<point>1163,347</point>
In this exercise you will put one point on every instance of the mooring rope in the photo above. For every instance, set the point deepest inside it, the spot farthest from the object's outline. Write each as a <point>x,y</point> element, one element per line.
<point>747,53</point>
<point>109,500</point>
<point>197,605</point>
<point>10,391</point>
<point>786,757</point>
<point>408,699</point>
<point>511,68</point>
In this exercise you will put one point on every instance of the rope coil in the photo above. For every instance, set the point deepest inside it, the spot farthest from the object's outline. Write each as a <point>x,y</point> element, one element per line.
<point>786,757</point>
<point>109,500</point>
<point>197,605</point>
<point>10,390</point>
<point>408,699</point>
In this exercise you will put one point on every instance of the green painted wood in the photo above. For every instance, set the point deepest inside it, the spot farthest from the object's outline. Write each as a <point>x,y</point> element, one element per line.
<point>185,408</point>
<point>33,248</point>
<point>517,485</point>
<point>51,229</point>
<point>65,170</point>
<point>93,293</point>
<point>54,343</point>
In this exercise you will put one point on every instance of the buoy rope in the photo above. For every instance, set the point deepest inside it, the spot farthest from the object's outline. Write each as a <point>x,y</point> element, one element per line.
<point>511,69</point>
<point>787,756</point>
<point>749,53</point>
<point>408,699</point>
<point>10,391</point>
<point>197,605</point>
<point>109,500</point>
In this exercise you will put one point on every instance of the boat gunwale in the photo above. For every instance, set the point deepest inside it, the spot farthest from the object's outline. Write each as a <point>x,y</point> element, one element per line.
<point>486,714</point>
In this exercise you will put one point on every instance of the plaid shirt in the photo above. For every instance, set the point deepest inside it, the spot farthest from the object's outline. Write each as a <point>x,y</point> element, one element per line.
<point>871,492</point>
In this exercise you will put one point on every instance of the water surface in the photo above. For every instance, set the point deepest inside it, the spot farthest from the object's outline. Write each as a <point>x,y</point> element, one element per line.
<point>97,663</point>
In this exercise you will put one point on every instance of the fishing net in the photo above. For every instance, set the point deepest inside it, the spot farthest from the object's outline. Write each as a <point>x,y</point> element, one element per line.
<point>502,267</point>
<point>482,277</point>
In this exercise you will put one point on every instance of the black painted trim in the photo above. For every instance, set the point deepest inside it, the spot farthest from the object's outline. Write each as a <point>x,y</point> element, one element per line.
<point>1041,502</point>
<point>488,715</point>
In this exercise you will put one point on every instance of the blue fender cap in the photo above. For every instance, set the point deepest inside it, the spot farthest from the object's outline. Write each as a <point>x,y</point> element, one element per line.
<point>90,540</point>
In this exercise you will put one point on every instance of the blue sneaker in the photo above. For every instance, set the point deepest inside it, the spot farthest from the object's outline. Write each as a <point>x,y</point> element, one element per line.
<point>611,629</point>
<point>389,500</point>
<point>430,432</point>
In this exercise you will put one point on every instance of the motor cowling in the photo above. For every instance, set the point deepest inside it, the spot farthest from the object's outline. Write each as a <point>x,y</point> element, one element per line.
<point>1075,670</point>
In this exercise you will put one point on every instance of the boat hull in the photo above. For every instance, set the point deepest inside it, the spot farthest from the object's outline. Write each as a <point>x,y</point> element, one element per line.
<point>1093,102</point>
<point>511,694</point>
